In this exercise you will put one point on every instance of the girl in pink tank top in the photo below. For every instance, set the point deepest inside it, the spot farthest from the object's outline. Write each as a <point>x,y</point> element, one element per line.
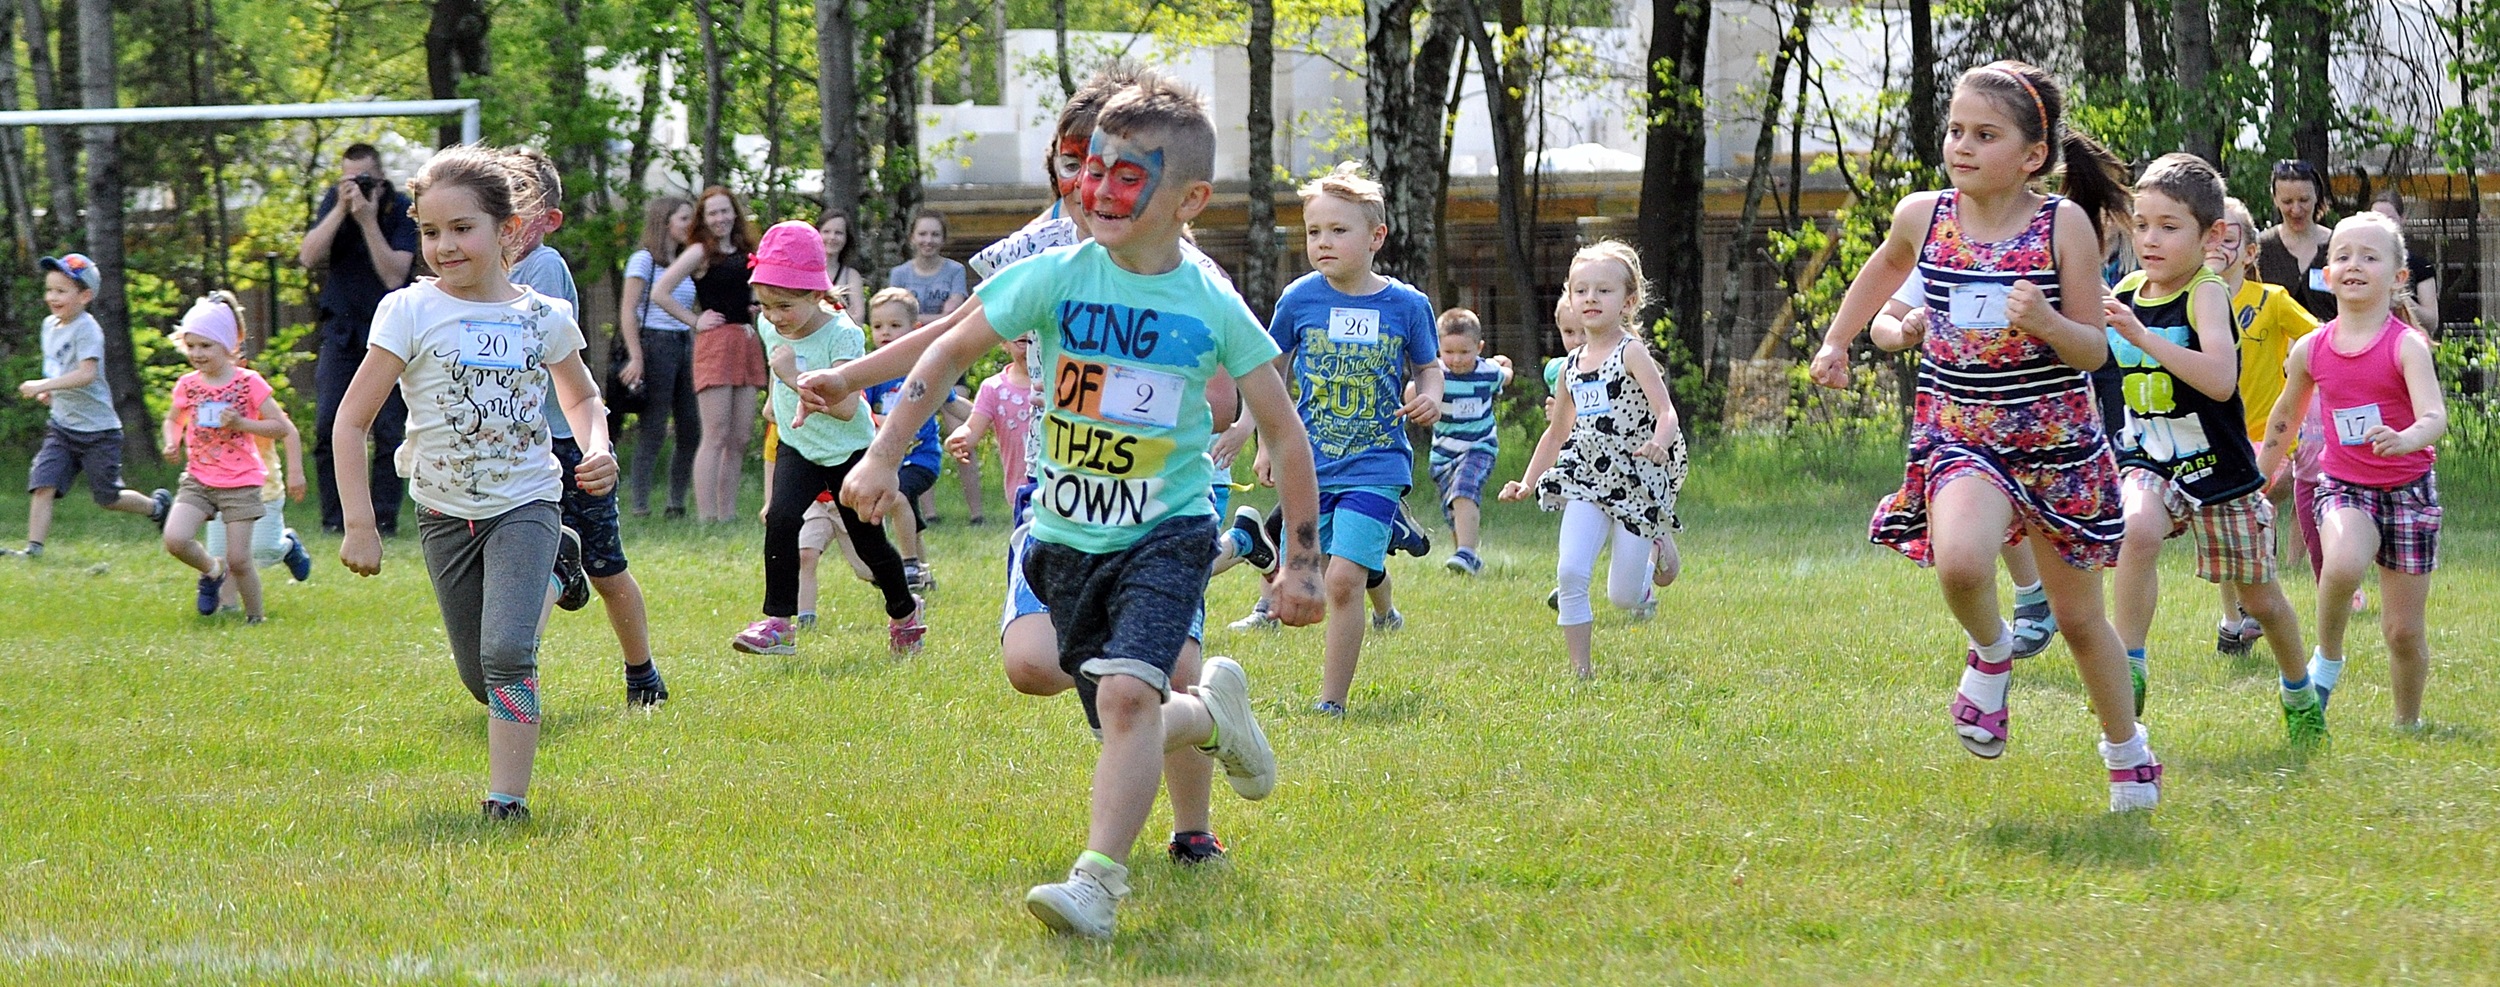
<point>2378,502</point>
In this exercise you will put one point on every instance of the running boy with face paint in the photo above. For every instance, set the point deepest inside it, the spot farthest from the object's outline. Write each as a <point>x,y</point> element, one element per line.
<point>1130,333</point>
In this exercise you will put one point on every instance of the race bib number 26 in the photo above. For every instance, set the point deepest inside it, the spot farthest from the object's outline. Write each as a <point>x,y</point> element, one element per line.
<point>1354,325</point>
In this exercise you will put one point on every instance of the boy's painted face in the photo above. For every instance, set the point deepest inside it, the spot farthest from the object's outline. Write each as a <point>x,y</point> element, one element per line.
<point>1986,149</point>
<point>927,236</point>
<point>720,215</point>
<point>1121,178</point>
<point>1598,290</point>
<point>1067,162</point>
<point>2233,242</point>
<point>2168,241</point>
<point>2361,265</point>
<point>1339,238</point>
<point>2297,201</point>
<point>889,322</point>
<point>462,244</point>
<point>205,355</point>
<point>1459,353</point>
<point>788,311</point>
<point>63,295</point>
<point>681,225</point>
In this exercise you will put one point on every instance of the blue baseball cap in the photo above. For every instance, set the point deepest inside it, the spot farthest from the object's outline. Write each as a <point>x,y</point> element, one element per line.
<point>77,266</point>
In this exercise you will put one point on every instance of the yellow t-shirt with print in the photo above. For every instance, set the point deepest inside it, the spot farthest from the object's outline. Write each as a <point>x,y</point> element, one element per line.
<point>2269,321</point>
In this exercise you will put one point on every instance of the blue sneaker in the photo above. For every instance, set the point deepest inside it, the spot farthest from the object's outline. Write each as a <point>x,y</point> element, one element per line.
<point>210,586</point>
<point>1407,536</point>
<point>298,561</point>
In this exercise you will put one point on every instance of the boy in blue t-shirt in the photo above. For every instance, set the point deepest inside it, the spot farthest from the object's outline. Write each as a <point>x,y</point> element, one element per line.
<point>1350,338</point>
<point>1465,442</point>
<point>1123,529</point>
<point>890,315</point>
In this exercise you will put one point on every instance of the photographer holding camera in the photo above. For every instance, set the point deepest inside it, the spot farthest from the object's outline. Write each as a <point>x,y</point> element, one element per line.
<point>361,245</point>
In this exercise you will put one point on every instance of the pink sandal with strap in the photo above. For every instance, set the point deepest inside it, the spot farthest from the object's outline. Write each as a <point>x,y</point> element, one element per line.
<point>1968,714</point>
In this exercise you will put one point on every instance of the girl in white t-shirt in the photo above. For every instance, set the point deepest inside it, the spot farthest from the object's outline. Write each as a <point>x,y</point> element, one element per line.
<point>474,355</point>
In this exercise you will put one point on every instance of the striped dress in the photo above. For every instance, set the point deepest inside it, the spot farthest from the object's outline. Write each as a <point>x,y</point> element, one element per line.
<point>1997,403</point>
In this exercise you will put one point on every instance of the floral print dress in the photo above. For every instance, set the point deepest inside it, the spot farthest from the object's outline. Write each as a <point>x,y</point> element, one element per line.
<point>1998,403</point>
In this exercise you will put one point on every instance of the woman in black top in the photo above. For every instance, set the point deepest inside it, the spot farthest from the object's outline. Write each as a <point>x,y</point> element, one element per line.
<point>728,362</point>
<point>2292,255</point>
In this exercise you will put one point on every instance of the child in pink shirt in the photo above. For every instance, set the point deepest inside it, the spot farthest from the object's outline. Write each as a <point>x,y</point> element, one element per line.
<point>1004,404</point>
<point>218,410</point>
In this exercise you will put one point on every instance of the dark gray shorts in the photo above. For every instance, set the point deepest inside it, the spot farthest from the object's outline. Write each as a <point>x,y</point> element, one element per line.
<point>1129,612</point>
<point>68,452</point>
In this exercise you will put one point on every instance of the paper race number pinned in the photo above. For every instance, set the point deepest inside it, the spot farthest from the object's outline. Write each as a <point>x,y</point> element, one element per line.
<point>1354,325</point>
<point>211,414</point>
<point>2353,425</point>
<point>1978,306</point>
<point>490,345</point>
<point>1142,397</point>
<point>1588,397</point>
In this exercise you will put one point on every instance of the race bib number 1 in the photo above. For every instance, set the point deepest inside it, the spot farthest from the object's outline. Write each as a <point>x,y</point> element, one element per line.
<point>490,345</point>
<point>1588,397</point>
<point>210,414</point>
<point>1354,325</point>
<point>1142,397</point>
<point>1978,306</point>
<point>2353,425</point>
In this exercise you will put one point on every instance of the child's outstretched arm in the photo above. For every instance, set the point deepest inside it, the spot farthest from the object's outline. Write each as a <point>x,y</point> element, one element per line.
<point>1298,602</point>
<point>2283,423</point>
<point>871,490</point>
<point>1885,270</point>
<point>964,441</point>
<point>294,440</point>
<point>79,376</point>
<point>1423,400</point>
<point>2430,408</point>
<point>589,417</point>
<point>1653,384</point>
<point>1548,445</point>
<point>820,390</point>
<point>170,444</point>
<point>361,549</point>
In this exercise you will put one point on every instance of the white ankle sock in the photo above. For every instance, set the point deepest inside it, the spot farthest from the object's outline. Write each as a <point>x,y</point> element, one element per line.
<point>2133,753</point>
<point>1986,690</point>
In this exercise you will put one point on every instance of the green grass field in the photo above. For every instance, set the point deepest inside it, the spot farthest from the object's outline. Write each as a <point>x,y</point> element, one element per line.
<point>1759,786</point>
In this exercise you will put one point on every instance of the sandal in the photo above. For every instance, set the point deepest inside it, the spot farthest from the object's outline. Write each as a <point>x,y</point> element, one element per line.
<point>1968,714</point>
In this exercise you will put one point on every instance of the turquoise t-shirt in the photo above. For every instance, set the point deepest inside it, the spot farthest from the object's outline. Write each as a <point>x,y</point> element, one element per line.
<point>824,440</point>
<point>1125,427</point>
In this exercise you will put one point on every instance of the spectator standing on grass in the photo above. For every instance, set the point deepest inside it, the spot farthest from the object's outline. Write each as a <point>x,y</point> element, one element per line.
<point>940,286</point>
<point>362,244</point>
<point>658,328</point>
<point>728,360</point>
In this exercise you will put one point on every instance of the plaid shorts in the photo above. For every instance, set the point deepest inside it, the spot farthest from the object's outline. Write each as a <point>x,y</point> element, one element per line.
<point>1461,477</point>
<point>2407,518</point>
<point>2234,539</point>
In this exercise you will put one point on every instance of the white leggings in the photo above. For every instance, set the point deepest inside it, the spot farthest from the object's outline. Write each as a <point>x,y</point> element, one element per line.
<point>268,535</point>
<point>1585,530</point>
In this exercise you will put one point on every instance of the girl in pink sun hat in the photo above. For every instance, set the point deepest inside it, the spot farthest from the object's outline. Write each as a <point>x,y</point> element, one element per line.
<point>218,412</point>
<point>791,284</point>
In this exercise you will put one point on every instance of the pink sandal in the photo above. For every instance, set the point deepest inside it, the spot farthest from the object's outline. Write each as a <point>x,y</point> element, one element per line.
<point>1968,714</point>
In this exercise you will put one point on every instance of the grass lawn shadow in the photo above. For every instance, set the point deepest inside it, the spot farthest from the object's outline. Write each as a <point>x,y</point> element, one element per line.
<point>457,822</point>
<point>2286,761</point>
<point>1396,707</point>
<point>2110,839</point>
<point>2447,733</point>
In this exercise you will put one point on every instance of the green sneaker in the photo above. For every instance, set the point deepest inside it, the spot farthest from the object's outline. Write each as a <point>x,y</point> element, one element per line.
<point>2306,725</point>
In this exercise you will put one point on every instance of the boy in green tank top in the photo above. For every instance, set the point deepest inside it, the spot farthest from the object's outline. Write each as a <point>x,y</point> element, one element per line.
<point>2184,453</point>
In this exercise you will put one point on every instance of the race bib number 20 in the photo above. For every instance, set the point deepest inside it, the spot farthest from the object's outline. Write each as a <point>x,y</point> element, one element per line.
<point>490,345</point>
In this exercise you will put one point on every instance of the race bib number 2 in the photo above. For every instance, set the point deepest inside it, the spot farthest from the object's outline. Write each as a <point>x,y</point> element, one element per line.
<point>490,345</point>
<point>1142,397</point>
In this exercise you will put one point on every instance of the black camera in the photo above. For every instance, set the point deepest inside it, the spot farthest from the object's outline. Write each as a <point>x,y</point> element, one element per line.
<point>365,184</point>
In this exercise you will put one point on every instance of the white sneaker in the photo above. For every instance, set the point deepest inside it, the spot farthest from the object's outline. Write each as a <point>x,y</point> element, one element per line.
<point>1259,620</point>
<point>1240,746</point>
<point>1086,904</point>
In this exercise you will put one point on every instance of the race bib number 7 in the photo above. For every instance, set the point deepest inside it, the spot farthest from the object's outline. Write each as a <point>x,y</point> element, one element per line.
<point>1138,396</point>
<point>1978,306</point>
<point>490,345</point>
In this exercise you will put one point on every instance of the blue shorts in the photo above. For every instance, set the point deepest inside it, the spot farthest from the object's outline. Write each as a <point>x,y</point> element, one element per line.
<point>1354,524</point>
<point>593,518</point>
<point>1022,603</point>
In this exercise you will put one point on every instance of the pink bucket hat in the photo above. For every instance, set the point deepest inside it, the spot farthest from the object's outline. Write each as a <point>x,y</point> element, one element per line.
<point>214,321</point>
<point>791,256</point>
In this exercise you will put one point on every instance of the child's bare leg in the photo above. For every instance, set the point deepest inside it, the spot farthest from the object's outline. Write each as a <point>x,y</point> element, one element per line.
<point>621,596</point>
<point>2404,599</point>
<point>511,748</point>
<point>2019,565</point>
<point>1379,595</point>
<point>39,515</point>
<point>2347,548</point>
<point>1188,774</point>
<point>1131,764</point>
<point>1577,643</point>
<point>1466,522</point>
<point>1029,648</point>
<point>1967,523</point>
<point>807,578</point>
<point>2075,595</point>
<point>2232,607</point>
<point>2273,611</point>
<point>1344,585</point>
<point>906,534</point>
<point>182,527</point>
<point>129,502</point>
<point>2136,591</point>
<point>241,572</point>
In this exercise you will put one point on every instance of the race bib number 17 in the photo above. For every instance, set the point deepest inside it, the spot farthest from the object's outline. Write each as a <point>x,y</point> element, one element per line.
<point>490,345</point>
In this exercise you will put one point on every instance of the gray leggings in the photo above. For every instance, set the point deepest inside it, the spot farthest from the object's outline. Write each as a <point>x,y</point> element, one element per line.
<point>490,577</point>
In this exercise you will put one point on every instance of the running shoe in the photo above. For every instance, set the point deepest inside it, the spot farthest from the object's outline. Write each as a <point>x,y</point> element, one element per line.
<point>2229,641</point>
<point>495,811</point>
<point>1086,904</point>
<point>2136,789</point>
<point>164,501</point>
<point>1464,563</point>
<point>1553,600</point>
<point>769,636</point>
<point>1240,746</point>
<point>1259,620</point>
<point>1253,530</point>
<point>1195,847</point>
<point>651,693</point>
<point>569,572</point>
<point>2136,668</point>
<point>1407,536</point>
<point>916,576</point>
<point>2306,726</point>
<point>1387,623</point>
<point>298,561</point>
<point>1328,709</point>
<point>210,586</point>
<point>904,634</point>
